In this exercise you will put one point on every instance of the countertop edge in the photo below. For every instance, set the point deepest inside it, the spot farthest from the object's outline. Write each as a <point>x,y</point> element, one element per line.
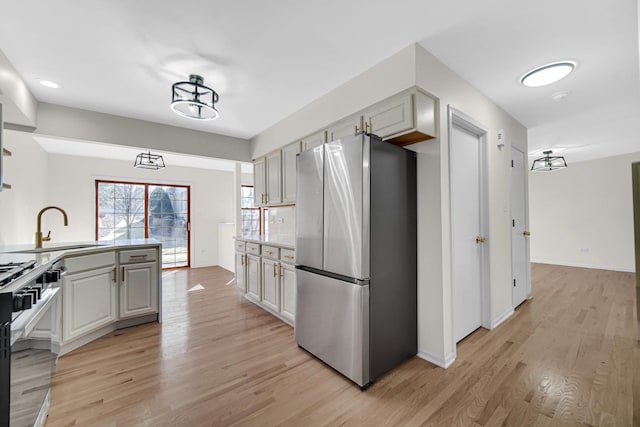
<point>253,239</point>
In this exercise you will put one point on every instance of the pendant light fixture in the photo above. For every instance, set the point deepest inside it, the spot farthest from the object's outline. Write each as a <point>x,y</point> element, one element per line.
<point>149,161</point>
<point>193,99</point>
<point>548,163</point>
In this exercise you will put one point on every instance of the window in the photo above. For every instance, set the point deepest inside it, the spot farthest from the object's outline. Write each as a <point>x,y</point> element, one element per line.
<point>128,210</point>
<point>250,215</point>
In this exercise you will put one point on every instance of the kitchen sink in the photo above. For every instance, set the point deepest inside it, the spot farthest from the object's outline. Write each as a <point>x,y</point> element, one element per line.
<point>60,248</point>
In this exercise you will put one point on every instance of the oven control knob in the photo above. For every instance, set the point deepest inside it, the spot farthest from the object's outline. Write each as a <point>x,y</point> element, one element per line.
<point>18,301</point>
<point>35,293</point>
<point>28,301</point>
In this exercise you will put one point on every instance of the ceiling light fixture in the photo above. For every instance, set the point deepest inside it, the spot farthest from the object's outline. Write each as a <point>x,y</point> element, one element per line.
<point>49,84</point>
<point>149,161</point>
<point>548,163</point>
<point>193,99</point>
<point>547,74</point>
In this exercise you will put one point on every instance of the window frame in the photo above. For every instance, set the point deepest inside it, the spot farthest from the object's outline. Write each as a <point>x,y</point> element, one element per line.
<point>146,185</point>
<point>254,208</point>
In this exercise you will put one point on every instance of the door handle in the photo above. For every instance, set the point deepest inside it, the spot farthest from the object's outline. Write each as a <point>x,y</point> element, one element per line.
<point>366,127</point>
<point>113,275</point>
<point>480,239</point>
<point>122,274</point>
<point>274,270</point>
<point>526,234</point>
<point>281,271</point>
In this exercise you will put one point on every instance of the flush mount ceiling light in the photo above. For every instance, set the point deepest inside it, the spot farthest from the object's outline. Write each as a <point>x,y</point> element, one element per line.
<point>149,161</point>
<point>193,99</point>
<point>49,84</point>
<point>547,74</point>
<point>548,163</point>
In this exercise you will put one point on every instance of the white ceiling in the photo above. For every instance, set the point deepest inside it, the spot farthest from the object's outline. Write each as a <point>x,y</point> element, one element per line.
<point>120,152</point>
<point>268,59</point>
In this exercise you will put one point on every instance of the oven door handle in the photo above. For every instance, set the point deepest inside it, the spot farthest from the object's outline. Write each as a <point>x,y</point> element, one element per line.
<point>24,324</point>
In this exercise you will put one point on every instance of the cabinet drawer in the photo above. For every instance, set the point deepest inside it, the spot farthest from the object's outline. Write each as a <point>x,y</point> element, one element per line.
<point>287,255</point>
<point>138,255</point>
<point>270,252</point>
<point>253,248</point>
<point>240,246</point>
<point>90,262</point>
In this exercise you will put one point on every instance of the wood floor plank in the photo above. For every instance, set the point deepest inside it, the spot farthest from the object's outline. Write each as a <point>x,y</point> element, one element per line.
<point>568,356</point>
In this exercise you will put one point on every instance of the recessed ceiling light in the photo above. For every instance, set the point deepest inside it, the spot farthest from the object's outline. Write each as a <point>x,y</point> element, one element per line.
<point>49,84</point>
<point>547,74</point>
<point>559,96</point>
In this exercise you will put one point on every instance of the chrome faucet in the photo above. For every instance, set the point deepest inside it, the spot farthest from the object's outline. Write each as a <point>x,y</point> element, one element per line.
<point>39,238</point>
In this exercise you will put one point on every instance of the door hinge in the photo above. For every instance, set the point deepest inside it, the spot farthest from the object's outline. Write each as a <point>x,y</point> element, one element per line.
<point>514,283</point>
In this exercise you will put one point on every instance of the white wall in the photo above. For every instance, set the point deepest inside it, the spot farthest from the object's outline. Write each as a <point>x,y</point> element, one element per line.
<point>583,215</point>
<point>452,90</point>
<point>40,179</point>
<point>27,172</point>
<point>415,66</point>
<point>71,185</point>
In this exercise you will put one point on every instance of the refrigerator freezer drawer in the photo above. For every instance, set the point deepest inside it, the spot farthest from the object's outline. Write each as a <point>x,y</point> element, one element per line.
<point>332,323</point>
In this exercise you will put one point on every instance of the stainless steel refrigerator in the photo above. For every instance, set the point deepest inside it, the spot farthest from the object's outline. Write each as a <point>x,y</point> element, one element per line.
<point>356,261</point>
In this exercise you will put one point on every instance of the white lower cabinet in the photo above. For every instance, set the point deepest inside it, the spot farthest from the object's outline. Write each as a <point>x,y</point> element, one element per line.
<point>271,284</point>
<point>139,289</point>
<point>253,277</point>
<point>288,288</point>
<point>269,276</point>
<point>241,272</point>
<point>89,301</point>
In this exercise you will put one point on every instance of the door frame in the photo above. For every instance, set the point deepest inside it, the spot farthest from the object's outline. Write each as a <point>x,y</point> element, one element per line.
<point>526,221</point>
<point>459,119</point>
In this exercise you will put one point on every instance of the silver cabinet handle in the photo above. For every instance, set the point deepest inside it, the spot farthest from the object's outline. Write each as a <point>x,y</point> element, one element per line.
<point>274,270</point>
<point>113,275</point>
<point>122,274</point>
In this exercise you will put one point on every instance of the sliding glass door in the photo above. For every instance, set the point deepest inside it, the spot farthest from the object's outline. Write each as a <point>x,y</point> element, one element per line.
<point>128,210</point>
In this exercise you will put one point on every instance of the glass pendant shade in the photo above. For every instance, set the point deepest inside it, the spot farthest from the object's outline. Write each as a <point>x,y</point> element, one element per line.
<point>548,163</point>
<point>193,99</point>
<point>149,161</point>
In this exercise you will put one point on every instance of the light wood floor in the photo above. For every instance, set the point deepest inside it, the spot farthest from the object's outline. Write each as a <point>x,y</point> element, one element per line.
<point>568,356</point>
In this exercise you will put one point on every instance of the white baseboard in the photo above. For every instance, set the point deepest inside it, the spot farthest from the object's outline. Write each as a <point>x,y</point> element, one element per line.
<point>579,265</point>
<point>504,316</point>
<point>436,360</point>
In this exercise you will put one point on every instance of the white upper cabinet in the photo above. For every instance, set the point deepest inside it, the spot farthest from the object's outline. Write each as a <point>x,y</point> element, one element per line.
<point>347,127</point>
<point>274,178</point>
<point>259,178</point>
<point>406,118</point>
<point>389,117</point>
<point>314,140</point>
<point>289,172</point>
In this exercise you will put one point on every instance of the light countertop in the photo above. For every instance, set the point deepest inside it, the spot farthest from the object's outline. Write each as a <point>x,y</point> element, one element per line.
<point>52,251</point>
<point>282,241</point>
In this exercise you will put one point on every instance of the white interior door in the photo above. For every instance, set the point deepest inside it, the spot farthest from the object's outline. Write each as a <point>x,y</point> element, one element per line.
<point>466,230</point>
<point>519,229</point>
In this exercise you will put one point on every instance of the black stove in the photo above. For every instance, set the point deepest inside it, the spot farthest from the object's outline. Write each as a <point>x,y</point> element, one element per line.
<point>13,270</point>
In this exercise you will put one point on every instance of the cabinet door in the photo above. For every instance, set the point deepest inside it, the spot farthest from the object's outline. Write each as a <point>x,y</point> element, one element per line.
<point>259,177</point>
<point>289,172</point>
<point>253,277</point>
<point>89,301</point>
<point>313,141</point>
<point>274,178</point>
<point>288,286</point>
<point>348,127</point>
<point>390,117</point>
<point>139,289</point>
<point>240,272</point>
<point>271,284</point>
